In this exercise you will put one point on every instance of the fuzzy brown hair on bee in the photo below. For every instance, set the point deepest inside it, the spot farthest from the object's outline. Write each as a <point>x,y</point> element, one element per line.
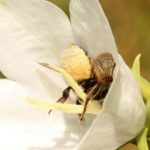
<point>94,75</point>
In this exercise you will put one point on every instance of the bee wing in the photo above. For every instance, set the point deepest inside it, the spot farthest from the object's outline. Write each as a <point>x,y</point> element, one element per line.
<point>91,29</point>
<point>103,66</point>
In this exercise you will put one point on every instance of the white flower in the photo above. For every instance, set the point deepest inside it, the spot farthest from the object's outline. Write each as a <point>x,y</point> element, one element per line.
<point>36,30</point>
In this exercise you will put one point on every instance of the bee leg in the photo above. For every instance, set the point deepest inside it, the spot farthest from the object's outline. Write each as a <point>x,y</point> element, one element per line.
<point>89,97</point>
<point>81,116</point>
<point>64,97</point>
<point>79,102</point>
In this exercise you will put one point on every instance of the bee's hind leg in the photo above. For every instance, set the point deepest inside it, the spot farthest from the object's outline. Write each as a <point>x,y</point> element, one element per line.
<point>64,97</point>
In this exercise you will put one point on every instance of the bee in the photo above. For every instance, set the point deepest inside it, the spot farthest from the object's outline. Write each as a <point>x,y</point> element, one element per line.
<point>97,86</point>
<point>94,75</point>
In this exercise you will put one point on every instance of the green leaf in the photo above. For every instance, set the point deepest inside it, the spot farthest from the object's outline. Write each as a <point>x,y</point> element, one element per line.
<point>142,140</point>
<point>136,67</point>
<point>144,84</point>
<point>148,113</point>
<point>145,87</point>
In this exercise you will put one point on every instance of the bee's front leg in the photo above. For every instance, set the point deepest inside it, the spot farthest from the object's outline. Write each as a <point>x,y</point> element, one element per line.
<point>81,116</point>
<point>64,97</point>
<point>90,95</point>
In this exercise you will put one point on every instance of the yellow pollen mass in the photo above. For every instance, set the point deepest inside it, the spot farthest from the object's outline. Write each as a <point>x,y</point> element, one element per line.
<point>76,63</point>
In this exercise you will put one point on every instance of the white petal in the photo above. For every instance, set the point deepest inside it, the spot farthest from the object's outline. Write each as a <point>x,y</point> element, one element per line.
<point>30,31</point>
<point>90,27</point>
<point>25,127</point>
<point>122,117</point>
<point>11,94</point>
<point>44,20</point>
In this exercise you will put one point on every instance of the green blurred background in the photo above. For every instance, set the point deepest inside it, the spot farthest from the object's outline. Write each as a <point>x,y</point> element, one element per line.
<point>130,23</point>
